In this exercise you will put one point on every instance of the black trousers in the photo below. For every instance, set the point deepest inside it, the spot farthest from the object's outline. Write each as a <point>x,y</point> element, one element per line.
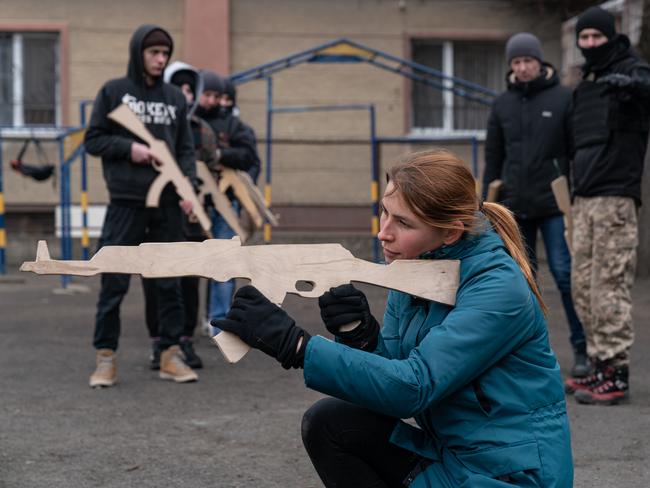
<point>190,293</point>
<point>349,446</point>
<point>130,226</point>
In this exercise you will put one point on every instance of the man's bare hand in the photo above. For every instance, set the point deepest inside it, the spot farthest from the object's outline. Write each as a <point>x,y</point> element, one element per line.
<point>141,154</point>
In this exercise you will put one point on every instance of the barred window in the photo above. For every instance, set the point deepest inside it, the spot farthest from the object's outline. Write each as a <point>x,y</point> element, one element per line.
<point>481,63</point>
<point>29,78</point>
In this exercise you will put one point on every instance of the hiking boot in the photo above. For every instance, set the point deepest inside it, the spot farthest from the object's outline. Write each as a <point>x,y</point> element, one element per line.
<point>189,354</point>
<point>612,390</point>
<point>581,365</point>
<point>572,385</point>
<point>154,357</point>
<point>172,366</point>
<point>106,372</point>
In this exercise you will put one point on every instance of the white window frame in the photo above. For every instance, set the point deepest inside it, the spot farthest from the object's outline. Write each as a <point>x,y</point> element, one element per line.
<point>17,43</point>
<point>447,128</point>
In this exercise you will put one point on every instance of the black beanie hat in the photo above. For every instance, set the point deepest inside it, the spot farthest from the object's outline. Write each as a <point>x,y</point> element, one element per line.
<point>183,77</point>
<point>524,44</point>
<point>230,90</point>
<point>211,81</point>
<point>156,37</point>
<point>599,19</point>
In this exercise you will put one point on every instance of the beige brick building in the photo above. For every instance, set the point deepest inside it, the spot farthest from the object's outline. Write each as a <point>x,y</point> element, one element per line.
<point>79,44</point>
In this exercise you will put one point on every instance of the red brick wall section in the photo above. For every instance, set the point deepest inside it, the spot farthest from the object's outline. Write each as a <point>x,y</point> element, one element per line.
<point>207,34</point>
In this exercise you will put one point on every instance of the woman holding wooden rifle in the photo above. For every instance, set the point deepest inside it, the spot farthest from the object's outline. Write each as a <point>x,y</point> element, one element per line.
<point>479,378</point>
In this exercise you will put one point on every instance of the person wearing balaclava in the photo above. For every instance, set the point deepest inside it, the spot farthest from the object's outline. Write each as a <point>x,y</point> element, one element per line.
<point>236,149</point>
<point>229,109</point>
<point>128,172</point>
<point>611,117</point>
<point>527,146</point>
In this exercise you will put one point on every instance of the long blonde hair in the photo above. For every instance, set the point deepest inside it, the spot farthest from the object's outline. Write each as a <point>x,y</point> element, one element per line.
<point>440,190</point>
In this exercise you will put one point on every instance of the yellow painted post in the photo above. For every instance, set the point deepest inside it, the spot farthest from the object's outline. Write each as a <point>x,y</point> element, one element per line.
<point>3,234</point>
<point>374,196</point>
<point>3,240</point>
<point>85,241</point>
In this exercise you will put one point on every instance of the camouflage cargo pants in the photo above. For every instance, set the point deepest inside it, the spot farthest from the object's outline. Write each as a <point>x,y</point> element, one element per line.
<point>605,237</point>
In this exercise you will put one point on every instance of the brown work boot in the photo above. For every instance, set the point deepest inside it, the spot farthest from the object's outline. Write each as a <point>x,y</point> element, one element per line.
<point>106,372</point>
<point>172,366</point>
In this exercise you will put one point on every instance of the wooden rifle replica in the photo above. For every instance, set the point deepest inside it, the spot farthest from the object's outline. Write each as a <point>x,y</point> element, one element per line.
<point>560,187</point>
<point>274,269</point>
<point>221,202</point>
<point>164,163</point>
<point>248,194</point>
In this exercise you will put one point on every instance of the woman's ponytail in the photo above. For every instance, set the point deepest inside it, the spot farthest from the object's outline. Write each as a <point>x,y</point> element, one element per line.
<point>505,225</point>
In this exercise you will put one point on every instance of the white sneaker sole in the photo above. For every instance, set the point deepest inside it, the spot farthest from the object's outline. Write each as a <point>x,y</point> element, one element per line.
<point>102,383</point>
<point>178,379</point>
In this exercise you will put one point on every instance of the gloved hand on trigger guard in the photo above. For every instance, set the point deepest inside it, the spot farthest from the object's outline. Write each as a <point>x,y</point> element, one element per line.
<point>345,304</point>
<point>627,87</point>
<point>618,80</point>
<point>265,326</point>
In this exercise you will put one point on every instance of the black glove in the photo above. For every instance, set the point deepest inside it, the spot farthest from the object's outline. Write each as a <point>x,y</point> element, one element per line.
<point>343,305</point>
<point>265,326</point>
<point>617,80</point>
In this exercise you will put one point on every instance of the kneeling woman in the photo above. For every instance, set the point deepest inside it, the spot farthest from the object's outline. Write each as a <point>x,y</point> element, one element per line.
<point>479,378</point>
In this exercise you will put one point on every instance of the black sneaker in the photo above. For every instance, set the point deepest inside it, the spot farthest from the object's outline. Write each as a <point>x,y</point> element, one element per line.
<point>154,358</point>
<point>581,365</point>
<point>612,390</point>
<point>189,355</point>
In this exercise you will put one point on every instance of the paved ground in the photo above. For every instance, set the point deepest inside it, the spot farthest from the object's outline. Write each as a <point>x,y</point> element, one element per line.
<point>239,426</point>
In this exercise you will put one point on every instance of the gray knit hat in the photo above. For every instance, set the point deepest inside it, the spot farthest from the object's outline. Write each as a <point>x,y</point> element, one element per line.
<point>211,81</point>
<point>524,44</point>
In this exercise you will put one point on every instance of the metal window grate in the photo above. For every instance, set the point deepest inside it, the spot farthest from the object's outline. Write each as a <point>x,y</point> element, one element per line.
<point>478,62</point>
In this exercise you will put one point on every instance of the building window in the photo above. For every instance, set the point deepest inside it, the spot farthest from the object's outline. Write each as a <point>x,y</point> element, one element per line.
<point>435,110</point>
<point>29,78</point>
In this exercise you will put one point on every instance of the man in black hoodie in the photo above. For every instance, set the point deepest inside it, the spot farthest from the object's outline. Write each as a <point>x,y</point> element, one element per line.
<point>128,171</point>
<point>611,118</point>
<point>527,147</point>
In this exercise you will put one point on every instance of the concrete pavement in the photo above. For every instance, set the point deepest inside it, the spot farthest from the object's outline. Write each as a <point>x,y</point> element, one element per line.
<point>239,426</point>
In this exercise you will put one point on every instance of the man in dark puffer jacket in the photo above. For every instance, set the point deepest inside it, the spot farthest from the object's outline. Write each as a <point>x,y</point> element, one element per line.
<point>527,147</point>
<point>611,118</point>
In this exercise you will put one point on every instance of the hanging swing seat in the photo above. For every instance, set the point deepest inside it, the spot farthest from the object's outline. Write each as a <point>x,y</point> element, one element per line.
<point>38,172</point>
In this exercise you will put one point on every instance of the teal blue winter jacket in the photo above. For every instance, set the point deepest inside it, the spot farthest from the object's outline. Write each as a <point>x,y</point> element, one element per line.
<point>479,378</point>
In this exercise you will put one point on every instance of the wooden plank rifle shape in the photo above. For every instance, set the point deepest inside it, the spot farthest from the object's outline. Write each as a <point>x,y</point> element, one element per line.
<point>274,269</point>
<point>221,202</point>
<point>164,163</point>
<point>248,194</point>
<point>560,187</point>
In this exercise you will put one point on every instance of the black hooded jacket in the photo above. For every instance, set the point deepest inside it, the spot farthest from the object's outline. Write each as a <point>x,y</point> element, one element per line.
<point>528,143</point>
<point>611,124</point>
<point>235,140</point>
<point>162,108</point>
